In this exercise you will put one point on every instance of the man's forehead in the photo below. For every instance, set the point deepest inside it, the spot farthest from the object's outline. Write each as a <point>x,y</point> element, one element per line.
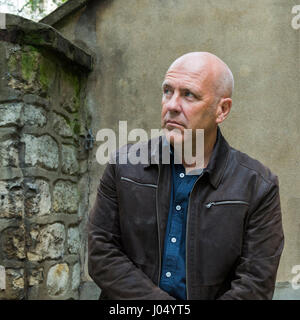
<point>187,66</point>
<point>175,75</point>
<point>197,64</point>
<point>194,61</point>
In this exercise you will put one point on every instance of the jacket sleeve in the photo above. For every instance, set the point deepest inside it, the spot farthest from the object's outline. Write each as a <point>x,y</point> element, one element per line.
<point>108,265</point>
<point>263,242</point>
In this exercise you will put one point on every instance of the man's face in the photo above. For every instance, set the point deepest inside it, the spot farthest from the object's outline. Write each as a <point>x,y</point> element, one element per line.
<point>188,101</point>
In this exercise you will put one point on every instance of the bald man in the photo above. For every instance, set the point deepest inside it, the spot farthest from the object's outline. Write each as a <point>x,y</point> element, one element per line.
<point>166,231</point>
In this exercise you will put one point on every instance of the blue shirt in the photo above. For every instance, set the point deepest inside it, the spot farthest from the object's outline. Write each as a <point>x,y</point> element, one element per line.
<point>173,274</point>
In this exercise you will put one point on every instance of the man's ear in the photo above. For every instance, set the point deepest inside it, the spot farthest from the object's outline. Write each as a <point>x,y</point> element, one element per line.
<point>223,109</point>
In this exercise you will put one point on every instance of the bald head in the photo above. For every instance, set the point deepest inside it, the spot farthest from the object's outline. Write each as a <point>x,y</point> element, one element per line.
<point>210,68</point>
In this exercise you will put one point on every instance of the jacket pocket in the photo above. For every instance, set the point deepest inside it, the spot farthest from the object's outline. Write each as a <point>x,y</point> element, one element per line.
<point>139,183</point>
<point>226,202</point>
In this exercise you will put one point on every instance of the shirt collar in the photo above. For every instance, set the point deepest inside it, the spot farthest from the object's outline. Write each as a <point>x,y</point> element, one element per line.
<point>196,172</point>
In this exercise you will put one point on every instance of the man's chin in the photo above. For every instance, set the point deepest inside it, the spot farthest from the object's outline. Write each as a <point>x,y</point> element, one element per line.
<point>174,137</point>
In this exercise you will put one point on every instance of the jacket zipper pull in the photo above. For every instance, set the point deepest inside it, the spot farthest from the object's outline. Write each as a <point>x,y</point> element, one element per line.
<point>209,205</point>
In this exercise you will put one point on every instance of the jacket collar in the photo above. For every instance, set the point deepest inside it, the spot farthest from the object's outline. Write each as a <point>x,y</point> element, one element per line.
<point>156,148</point>
<point>218,160</point>
<point>217,163</point>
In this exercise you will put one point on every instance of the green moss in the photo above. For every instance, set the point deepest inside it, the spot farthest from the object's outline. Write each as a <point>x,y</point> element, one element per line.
<point>76,127</point>
<point>30,48</point>
<point>13,63</point>
<point>74,123</point>
<point>34,38</point>
<point>46,73</point>
<point>68,121</point>
<point>73,80</point>
<point>76,98</point>
<point>72,87</point>
<point>29,63</point>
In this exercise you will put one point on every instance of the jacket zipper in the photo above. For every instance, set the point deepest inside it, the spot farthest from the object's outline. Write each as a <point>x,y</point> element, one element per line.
<point>186,241</point>
<point>138,183</point>
<point>216,203</point>
<point>159,240</point>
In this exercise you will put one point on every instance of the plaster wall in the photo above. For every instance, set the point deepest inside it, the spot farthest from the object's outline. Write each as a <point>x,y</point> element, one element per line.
<point>134,43</point>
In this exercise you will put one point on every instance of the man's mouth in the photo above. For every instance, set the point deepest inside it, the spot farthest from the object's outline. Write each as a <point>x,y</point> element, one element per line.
<point>172,123</point>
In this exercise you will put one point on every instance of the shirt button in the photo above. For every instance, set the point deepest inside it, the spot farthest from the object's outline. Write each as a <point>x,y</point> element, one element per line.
<point>178,207</point>
<point>181,175</point>
<point>168,274</point>
<point>173,240</point>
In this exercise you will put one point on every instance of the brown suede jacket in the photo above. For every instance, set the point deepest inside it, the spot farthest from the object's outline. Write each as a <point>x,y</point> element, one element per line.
<point>234,236</point>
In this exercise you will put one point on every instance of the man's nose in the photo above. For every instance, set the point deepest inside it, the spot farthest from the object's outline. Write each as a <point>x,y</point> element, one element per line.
<point>174,104</point>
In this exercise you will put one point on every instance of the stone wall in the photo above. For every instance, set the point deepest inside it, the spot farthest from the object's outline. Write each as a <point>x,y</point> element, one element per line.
<point>43,172</point>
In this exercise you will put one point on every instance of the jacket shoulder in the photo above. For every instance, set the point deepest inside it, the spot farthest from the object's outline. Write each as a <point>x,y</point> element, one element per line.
<point>254,165</point>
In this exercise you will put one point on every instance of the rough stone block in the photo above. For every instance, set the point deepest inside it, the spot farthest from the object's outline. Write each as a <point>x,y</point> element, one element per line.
<point>76,276</point>
<point>61,126</point>
<point>47,242</point>
<point>41,151</point>
<point>36,277</point>
<point>24,63</point>
<point>65,197</point>
<point>38,198</point>
<point>34,116</point>
<point>25,71</point>
<point>36,100</point>
<point>69,161</point>
<point>18,281</point>
<point>13,243</point>
<point>14,285</point>
<point>11,199</point>
<point>57,279</point>
<point>73,240</point>
<point>9,155</point>
<point>11,114</point>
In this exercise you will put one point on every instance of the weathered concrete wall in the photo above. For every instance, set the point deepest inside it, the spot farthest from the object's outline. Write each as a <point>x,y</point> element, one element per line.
<point>43,166</point>
<point>136,42</point>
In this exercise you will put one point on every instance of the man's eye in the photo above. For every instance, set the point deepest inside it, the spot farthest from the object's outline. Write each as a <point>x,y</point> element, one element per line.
<point>167,91</point>
<point>189,94</point>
